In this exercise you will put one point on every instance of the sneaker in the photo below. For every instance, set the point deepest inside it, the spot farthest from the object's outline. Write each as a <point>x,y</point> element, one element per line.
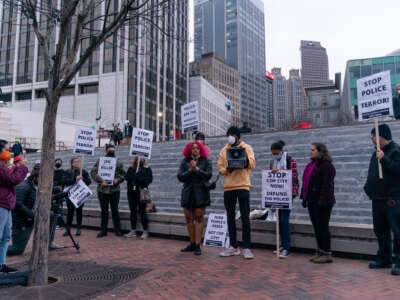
<point>189,248</point>
<point>78,232</point>
<point>325,257</point>
<point>58,227</point>
<point>7,269</point>
<point>247,254</point>
<point>130,234</point>
<point>284,253</point>
<point>316,255</point>
<point>54,246</point>
<point>66,233</point>
<point>280,250</point>
<point>396,270</point>
<point>230,252</point>
<point>197,249</point>
<point>145,235</point>
<point>378,264</point>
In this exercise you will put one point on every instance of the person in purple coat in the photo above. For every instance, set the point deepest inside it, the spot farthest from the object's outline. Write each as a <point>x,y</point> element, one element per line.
<point>318,194</point>
<point>8,181</point>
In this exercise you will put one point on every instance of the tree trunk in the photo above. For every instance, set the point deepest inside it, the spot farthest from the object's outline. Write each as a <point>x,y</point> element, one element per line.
<point>39,256</point>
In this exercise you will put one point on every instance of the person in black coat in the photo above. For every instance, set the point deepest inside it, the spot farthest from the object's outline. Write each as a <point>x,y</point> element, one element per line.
<point>71,177</point>
<point>194,172</point>
<point>22,215</point>
<point>318,194</point>
<point>137,179</point>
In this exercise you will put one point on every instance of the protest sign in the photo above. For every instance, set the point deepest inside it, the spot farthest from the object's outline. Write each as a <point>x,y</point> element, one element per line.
<point>216,231</point>
<point>85,141</point>
<point>141,143</point>
<point>277,189</point>
<point>107,166</point>
<point>374,95</point>
<point>190,117</point>
<point>79,193</point>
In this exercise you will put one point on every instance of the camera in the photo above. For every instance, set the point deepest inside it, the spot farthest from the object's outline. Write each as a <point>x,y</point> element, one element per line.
<point>57,199</point>
<point>236,157</point>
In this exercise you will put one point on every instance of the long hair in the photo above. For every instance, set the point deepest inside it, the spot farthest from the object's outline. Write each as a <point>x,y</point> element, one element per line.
<point>323,152</point>
<point>135,162</point>
<point>72,169</point>
<point>187,152</point>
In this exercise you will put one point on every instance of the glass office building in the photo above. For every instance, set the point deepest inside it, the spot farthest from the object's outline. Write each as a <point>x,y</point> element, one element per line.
<point>235,30</point>
<point>360,68</point>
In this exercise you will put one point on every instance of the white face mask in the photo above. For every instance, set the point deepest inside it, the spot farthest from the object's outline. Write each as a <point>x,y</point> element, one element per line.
<point>231,140</point>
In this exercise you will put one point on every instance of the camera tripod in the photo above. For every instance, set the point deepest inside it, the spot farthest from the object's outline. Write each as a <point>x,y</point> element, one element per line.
<point>58,216</point>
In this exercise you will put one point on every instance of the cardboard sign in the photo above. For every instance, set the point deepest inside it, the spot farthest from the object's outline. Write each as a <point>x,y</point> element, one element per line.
<point>217,231</point>
<point>79,193</point>
<point>107,167</point>
<point>277,189</point>
<point>374,94</point>
<point>142,141</point>
<point>190,117</point>
<point>85,141</point>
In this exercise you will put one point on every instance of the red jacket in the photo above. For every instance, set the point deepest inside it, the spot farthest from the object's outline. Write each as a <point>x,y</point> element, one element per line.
<point>8,181</point>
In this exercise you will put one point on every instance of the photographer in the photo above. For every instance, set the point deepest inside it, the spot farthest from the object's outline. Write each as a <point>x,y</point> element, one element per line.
<point>23,214</point>
<point>237,187</point>
<point>71,177</point>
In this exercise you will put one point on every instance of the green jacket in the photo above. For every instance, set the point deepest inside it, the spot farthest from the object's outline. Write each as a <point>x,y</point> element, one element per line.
<point>119,175</point>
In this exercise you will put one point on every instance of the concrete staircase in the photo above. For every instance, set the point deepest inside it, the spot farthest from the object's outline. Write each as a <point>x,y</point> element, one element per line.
<point>350,147</point>
<point>8,129</point>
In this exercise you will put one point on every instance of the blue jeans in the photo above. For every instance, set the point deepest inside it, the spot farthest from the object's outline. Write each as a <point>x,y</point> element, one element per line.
<point>284,228</point>
<point>5,233</point>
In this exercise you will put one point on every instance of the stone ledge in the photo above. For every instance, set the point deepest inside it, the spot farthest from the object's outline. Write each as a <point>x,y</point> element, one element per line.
<point>346,237</point>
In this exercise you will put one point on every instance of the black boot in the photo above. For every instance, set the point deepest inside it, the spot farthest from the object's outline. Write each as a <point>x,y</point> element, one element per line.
<point>379,264</point>
<point>396,270</point>
<point>118,232</point>
<point>197,250</point>
<point>189,248</point>
<point>78,231</point>
<point>7,269</point>
<point>67,230</point>
<point>101,234</point>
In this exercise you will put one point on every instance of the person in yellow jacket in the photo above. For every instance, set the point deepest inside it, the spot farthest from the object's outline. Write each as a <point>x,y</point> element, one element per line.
<point>237,187</point>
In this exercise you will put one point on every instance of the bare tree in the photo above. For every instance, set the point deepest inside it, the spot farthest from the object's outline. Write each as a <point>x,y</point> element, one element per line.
<point>67,40</point>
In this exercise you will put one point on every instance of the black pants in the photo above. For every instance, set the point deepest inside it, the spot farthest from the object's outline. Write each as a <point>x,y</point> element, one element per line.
<point>70,214</point>
<point>134,204</point>
<point>320,216</point>
<point>230,198</point>
<point>107,200</point>
<point>20,238</point>
<point>386,218</point>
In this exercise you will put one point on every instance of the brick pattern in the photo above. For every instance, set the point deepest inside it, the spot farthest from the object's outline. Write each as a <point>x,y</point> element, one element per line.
<point>177,275</point>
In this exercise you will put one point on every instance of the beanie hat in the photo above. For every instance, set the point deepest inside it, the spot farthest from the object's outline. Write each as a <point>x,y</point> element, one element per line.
<point>384,131</point>
<point>17,159</point>
<point>233,130</point>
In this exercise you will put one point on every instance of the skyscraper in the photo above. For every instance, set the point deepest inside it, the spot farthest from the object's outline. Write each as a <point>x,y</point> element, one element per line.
<point>296,100</point>
<point>235,30</point>
<point>280,100</point>
<point>314,64</point>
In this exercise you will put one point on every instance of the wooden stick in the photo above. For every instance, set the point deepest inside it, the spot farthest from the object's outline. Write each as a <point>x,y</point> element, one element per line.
<point>378,147</point>
<point>277,233</point>
<point>137,165</point>
<point>82,164</point>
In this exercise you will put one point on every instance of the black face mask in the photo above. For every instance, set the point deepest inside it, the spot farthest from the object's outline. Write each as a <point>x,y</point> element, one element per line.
<point>58,165</point>
<point>110,154</point>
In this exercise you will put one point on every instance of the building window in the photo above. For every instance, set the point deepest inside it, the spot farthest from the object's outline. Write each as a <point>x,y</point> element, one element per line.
<point>6,97</point>
<point>24,96</point>
<point>69,91</point>
<point>91,88</point>
<point>40,93</point>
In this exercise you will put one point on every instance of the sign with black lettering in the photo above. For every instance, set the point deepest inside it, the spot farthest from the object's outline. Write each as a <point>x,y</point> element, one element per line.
<point>79,193</point>
<point>217,231</point>
<point>374,94</point>
<point>141,143</point>
<point>107,166</point>
<point>85,141</point>
<point>190,117</point>
<point>276,191</point>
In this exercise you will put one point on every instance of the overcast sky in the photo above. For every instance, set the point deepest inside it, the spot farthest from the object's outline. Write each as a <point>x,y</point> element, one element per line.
<point>348,29</point>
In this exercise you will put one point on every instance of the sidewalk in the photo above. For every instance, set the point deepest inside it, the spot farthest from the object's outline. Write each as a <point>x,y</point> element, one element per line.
<point>175,275</point>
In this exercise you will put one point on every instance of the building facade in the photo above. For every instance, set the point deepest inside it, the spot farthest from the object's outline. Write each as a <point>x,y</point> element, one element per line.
<point>324,106</point>
<point>235,30</point>
<point>224,78</point>
<point>296,100</point>
<point>215,117</point>
<point>314,64</point>
<point>359,68</point>
<point>269,77</point>
<point>139,73</point>
<point>280,100</point>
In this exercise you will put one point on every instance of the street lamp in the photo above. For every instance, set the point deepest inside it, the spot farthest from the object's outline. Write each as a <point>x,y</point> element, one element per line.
<point>160,114</point>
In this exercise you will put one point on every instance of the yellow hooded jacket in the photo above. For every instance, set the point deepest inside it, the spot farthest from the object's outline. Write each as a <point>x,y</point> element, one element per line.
<point>240,178</point>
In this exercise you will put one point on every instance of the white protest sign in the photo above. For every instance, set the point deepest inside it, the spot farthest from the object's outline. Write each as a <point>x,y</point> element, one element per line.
<point>216,232</point>
<point>276,191</point>
<point>107,166</point>
<point>85,141</point>
<point>190,117</point>
<point>141,143</point>
<point>79,193</point>
<point>374,94</point>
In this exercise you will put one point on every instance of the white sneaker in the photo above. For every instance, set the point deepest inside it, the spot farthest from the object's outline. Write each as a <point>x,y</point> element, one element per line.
<point>247,254</point>
<point>230,252</point>
<point>145,235</point>
<point>280,250</point>
<point>131,233</point>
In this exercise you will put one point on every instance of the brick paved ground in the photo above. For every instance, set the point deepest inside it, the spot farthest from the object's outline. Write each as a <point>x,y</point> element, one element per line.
<point>183,276</point>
